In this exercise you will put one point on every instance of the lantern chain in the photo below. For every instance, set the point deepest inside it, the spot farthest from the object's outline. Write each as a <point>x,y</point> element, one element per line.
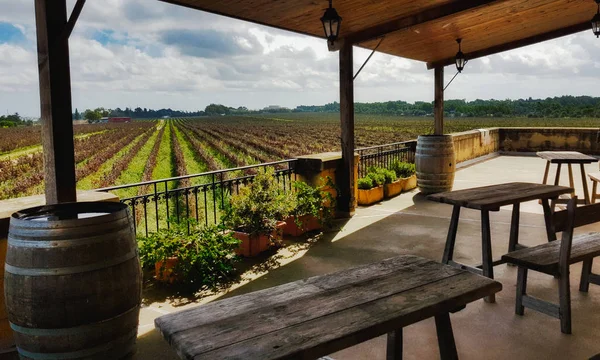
<point>455,75</point>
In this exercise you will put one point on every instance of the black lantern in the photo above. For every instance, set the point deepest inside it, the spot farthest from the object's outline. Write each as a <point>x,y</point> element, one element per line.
<point>331,23</point>
<point>460,57</point>
<point>596,21</point>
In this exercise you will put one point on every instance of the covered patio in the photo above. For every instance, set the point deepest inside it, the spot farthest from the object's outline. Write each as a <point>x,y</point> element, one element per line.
<point>426,31</point>
<point>410,224</point>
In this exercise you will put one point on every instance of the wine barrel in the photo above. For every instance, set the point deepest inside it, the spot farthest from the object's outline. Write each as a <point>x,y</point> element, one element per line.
<point>73,281</point>
<point>435,163</point>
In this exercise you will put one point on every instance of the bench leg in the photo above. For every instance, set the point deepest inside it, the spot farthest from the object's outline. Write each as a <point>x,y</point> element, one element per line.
<point>564,294</point>
<point>394,345</point>
<point>514,228</point>
<point>548,211</point>
<point>451,239</point>
<point>571,182</point>
<point>594,191</point>
<point>486,249</point>
<point>445,337</point>
<point>586,193</point>
<point>586,270</point>
<point>521,290</point>
<point>545,180</point>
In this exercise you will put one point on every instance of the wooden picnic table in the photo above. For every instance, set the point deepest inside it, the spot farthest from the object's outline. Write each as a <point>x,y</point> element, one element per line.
<point>491,198</point>
<point>314,317</point>
<point>569,158</point>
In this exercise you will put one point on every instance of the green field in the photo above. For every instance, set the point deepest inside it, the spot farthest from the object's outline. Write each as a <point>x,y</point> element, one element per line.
<point>118,154</point>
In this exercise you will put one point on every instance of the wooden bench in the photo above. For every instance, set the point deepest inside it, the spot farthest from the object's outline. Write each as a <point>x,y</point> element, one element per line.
<point>314,317</point>
<point>554,258</point>
<point>595,178</point>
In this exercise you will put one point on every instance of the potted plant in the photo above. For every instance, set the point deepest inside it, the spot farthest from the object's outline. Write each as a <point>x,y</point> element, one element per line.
<point>203,256</point>
<point>313,208</point>
<point>256,213</point>
<point>370,188</point>
<point>406,172</point>
<point>392,185</point>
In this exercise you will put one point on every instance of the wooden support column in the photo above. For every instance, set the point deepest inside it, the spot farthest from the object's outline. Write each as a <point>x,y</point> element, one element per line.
<point>438,105</point>
<point>55,99</point>
<point>346,180</point>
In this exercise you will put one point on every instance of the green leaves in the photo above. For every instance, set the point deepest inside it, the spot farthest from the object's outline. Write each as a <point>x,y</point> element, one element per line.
<point>259,205</point>
<point>205,257</point>
<point>402,169</point>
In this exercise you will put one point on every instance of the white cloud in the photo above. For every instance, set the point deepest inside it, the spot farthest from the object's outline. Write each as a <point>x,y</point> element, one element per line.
<point>128,53</point>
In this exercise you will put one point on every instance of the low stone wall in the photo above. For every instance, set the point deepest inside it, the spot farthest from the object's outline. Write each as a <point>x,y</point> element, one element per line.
<point>472,144</point>
<point>585,140</point>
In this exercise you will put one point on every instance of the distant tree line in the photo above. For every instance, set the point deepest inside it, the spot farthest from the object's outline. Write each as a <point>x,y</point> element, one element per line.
<point>13,120</point>
<point>557,107</point>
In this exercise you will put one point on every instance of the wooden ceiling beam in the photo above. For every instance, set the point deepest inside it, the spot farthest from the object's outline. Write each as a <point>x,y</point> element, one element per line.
<point>569,30</point>
<point>406,22</point>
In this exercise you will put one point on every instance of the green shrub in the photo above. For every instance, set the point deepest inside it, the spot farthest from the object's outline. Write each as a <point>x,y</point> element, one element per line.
<point>388,175</point>
<point>206,257</point>
<point>312,200</point>
<point>378,178</point>
<point>403,169</point>
<point>259,205</point>
<point>365,183</point>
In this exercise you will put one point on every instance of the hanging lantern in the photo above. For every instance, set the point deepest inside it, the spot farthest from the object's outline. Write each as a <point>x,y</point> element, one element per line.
<point>331,23</point>
<point>596,21</point>
<point>460,57</point>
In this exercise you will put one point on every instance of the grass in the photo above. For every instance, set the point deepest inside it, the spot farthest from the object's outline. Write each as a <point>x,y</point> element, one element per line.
<point>135,170</point>
<point>90,181</point>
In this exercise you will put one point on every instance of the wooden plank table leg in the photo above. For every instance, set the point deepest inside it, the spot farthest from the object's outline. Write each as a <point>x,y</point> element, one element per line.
<point>514,228</point>
<point>571,182</point>
<point>545,181</point>
<point>548,210</point>
<point>451,238</point>
<point>445,337</point>
<point>594,191</point>
<point>486,249</point>
<point>557,177</point>
<point>586,269</point>
<point>394,345</point>
<point>586,193</point>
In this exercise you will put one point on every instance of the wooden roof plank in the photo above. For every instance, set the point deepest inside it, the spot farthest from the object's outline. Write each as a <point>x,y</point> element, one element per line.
<point>569,30</point>
<point>427,15</point>
<point>422,30</point>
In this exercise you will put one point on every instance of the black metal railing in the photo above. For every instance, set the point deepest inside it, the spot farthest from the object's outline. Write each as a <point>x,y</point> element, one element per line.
<point>385,155</point>
<point>156,204</point>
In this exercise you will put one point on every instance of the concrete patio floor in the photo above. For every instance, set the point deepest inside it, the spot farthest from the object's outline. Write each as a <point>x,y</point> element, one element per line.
<point>409,224</point>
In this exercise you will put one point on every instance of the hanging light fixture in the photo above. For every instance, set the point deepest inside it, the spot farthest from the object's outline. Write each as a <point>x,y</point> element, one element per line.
<point>596,21</point>
<point>331,23</point>
<point>459,59</point>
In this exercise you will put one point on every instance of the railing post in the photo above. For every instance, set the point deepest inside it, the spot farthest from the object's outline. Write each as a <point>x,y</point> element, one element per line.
<point>214,185</point>
<point>167,201</point>
<point>156,204</point>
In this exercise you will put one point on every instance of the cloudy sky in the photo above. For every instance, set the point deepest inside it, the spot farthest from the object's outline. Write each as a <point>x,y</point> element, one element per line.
<point>129,53</point>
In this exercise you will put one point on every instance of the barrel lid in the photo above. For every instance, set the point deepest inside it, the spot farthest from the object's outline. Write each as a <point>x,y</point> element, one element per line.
<point>69,211</point>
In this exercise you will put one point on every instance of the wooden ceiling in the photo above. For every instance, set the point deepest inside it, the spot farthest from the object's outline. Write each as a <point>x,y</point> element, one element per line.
<point>423,30</point>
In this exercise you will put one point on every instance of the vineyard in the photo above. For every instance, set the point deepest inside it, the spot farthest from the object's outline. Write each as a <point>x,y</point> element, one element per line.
<point>118,154</point>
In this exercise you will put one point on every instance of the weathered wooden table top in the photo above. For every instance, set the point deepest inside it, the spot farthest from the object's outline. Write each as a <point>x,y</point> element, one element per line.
<point>323,314</point>
<point>494,196</point>
<point>566,157</point>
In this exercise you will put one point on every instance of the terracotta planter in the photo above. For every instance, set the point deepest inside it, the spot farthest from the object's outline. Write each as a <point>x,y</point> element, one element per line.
<point>252,245</point>
<point>410,183</point>
<point>393,189</point>
<point>371,196</point>
<point>307,223</point>
<point>166,273</point>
